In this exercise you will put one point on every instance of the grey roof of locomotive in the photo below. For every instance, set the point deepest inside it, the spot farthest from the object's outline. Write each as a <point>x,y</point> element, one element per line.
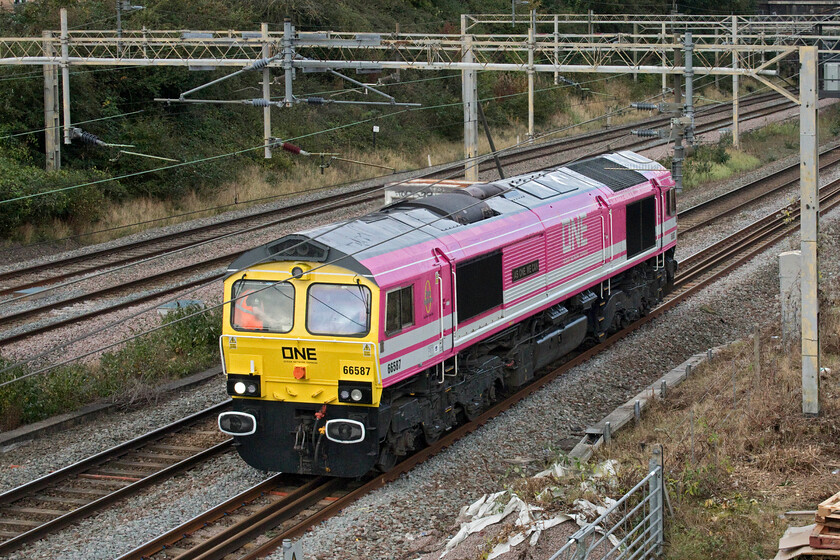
<point>407,223</point>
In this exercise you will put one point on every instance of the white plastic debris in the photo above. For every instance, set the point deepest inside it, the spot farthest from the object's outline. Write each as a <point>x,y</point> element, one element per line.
<point>556,470</point>
<point>493,508</point>
<point>607,469</point>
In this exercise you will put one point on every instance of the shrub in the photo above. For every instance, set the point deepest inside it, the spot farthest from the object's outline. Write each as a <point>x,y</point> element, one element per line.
<point>187,345</point>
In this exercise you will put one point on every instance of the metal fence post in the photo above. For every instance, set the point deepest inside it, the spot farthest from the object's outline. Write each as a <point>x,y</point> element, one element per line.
<point>581,548</point>
<point>655,490</point>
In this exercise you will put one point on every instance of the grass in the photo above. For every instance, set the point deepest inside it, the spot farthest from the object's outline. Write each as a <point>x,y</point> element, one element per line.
<point>123,376</point>
<point>713,163</point>
<point>738,451</point>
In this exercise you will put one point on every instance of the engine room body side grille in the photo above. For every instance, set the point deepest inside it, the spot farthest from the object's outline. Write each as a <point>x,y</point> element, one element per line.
<point>612,174</point>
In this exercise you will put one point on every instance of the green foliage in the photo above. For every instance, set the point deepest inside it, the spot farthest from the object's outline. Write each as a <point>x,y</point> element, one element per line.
<point>187,344</point>
<point>197,133</point>
<point>18,180</point>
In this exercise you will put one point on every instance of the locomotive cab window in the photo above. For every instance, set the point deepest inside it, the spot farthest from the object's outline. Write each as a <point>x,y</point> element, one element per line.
<point>641,226</point>
<point>399,309</point>
<point>338,309</point>
<point>672,202</point>
<point>262,306</point>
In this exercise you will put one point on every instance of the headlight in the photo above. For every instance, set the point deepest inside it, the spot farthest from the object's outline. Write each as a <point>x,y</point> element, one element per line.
<point>243,385</point>
<point>355,392</point>
<point>237,423</point>
<point>341,430</point>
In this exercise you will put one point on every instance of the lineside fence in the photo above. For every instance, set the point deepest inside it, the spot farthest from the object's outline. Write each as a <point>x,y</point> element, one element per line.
<point>631,528</point>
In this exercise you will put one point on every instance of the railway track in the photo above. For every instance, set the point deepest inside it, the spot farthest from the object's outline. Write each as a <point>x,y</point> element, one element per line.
<point>738,199</point>
<point>43,274</point>
<point>227,527</point>
<point>698,271</point>
<point>547,149</point>
<point>172,243</point>
<point>54,501</point>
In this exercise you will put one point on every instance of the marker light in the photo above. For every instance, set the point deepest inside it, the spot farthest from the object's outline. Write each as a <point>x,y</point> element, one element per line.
<point>239,388</point>
<point>356,395</point>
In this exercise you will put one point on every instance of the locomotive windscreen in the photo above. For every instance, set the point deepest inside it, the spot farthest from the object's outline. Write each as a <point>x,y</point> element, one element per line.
<point>614,175</point>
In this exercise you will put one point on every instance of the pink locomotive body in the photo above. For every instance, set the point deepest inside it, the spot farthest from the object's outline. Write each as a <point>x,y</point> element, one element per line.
<point>450,299</point>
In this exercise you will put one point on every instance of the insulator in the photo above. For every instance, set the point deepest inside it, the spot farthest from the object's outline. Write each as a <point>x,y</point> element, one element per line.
<point>645,106</point>
<point>646,133</point>
<point>567,81</point>
<point>260,64</point>
<point>316,100</point>
<point>87,137</point>
<point>261,102</point>
<point>291,148</point>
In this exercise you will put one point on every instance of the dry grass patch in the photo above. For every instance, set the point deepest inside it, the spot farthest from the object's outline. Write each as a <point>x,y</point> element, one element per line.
<point>738,451</point>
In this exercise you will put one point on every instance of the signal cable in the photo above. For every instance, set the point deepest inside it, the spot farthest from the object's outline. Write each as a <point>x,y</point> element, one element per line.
<point>121,115</point>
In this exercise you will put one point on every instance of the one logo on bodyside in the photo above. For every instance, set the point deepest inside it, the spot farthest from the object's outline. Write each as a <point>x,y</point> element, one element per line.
<point>573,233</point>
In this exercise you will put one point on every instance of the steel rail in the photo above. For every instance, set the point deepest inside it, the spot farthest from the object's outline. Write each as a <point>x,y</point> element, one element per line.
<point>510,158</point>
<point>753,191</point>
<point>232,537</point>
<point>28,490</point>
<point>301,210</point>
<point>546,149</point>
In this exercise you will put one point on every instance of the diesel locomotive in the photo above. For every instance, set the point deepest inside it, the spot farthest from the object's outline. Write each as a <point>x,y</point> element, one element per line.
<point>349,345</point>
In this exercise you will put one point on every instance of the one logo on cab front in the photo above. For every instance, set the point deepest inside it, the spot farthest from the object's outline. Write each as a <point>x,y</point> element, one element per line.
<point>291,353</point>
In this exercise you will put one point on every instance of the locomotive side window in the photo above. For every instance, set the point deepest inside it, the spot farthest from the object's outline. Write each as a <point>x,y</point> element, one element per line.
<point>672,202</point>
<point>338,309</point>
<point>262,306</point>
<point>399,309</point>
<point>641,226</point>
<point>480,286</point>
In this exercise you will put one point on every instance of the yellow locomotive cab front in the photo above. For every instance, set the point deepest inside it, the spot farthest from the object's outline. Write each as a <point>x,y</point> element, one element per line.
<point>300,351</point>
<point>307,339</point>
